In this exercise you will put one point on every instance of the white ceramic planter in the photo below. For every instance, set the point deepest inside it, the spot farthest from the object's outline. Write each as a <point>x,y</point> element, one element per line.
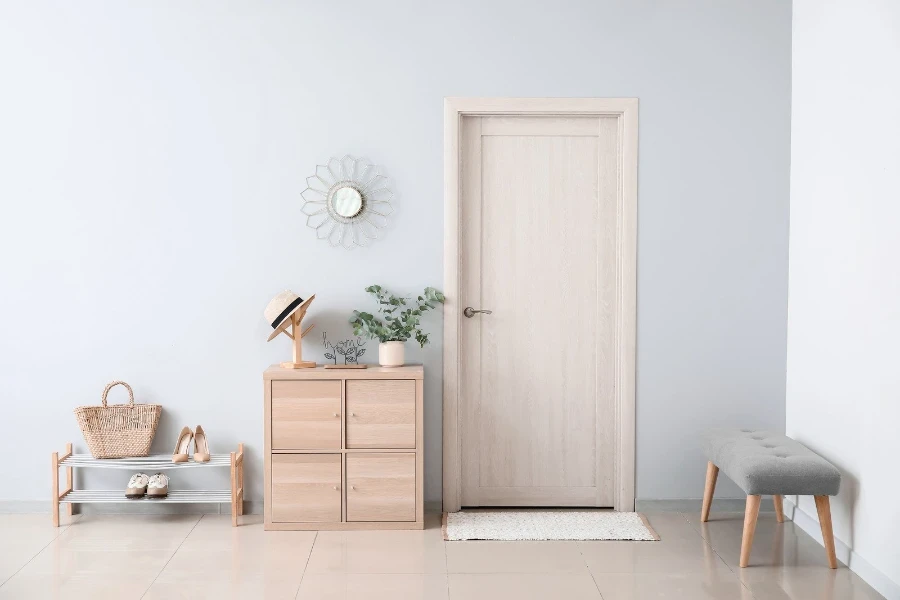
<point>391,354</point>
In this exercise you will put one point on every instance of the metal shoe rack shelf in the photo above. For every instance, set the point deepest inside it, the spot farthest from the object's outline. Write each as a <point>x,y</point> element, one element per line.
<point>146,464</point>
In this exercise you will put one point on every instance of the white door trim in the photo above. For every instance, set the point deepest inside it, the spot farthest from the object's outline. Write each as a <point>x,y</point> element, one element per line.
<point>626,110</point>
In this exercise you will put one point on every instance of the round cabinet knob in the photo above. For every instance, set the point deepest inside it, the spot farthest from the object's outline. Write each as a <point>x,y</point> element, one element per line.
<point>353,414</point>
<point>352,487</point>
<point>336,488</point>
<point>337,415</point>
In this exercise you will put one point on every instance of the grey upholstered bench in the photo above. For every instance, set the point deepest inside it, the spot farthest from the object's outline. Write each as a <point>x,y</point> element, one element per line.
<point>767,463</point>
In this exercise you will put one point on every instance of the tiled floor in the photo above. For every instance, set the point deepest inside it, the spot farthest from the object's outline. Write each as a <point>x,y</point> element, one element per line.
<point>195,557</point>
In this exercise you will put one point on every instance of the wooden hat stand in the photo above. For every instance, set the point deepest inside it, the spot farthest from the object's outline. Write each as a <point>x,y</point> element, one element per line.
<point>295,334</point>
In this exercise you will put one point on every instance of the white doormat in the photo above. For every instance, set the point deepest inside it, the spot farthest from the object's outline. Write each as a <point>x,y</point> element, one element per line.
<point>507,524</point>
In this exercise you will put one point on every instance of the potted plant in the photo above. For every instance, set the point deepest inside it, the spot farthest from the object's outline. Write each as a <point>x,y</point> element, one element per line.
<point>397,321</point>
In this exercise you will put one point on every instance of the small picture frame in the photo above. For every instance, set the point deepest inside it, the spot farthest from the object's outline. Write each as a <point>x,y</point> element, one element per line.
<point>350,349</point>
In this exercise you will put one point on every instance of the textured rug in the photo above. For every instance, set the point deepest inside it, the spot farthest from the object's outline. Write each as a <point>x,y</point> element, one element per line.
<point>507,524</point>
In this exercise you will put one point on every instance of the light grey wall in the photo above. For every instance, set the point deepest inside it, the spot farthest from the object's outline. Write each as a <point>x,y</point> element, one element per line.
<point>152,156</point>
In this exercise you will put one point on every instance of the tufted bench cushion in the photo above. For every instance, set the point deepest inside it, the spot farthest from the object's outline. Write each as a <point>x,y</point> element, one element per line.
<point>764,462</point>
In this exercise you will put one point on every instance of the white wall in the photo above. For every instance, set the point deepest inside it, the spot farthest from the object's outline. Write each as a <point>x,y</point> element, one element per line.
<point>843,381</point>
<point>152,155</point>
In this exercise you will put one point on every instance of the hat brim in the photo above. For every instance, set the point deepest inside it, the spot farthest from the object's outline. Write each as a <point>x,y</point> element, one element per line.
<point>286,321</point>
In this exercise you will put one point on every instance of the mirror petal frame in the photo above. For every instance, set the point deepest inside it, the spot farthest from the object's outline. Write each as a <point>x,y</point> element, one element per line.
<point>319,202</point>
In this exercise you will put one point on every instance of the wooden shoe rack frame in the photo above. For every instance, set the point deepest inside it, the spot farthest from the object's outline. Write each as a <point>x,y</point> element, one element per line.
<point>145,464</point>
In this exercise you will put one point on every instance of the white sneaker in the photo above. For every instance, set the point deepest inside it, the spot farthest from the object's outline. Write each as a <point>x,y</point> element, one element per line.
<point>158,486</point>
<point>137,486</point>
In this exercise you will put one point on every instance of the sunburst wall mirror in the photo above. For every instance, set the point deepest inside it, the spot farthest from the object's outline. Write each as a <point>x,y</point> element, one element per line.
<point>347,202</point>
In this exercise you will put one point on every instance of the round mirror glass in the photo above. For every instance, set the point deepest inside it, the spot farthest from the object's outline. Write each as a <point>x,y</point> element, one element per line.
<point>347,201</point>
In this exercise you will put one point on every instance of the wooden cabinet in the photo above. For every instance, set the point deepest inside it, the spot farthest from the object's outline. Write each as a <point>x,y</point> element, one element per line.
<point>343,448</point>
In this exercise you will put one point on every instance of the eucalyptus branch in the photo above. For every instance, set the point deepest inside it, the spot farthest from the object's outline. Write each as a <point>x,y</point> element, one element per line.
<point>399,317</point>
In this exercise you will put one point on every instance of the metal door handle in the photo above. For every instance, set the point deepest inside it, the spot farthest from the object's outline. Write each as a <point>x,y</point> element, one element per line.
<point>471,312</point>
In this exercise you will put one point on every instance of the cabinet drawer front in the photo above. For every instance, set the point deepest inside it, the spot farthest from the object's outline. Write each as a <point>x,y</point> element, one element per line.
<point>306,488</point>
<point>381,486</point>
<point>381,414</point>
<point>306,415</point>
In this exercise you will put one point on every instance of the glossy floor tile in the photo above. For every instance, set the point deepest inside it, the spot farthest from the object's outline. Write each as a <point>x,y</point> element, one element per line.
<point>391,586</point>
<point>240,587</point>
<point>23,537</point>
<point>421,551</point>
<point>514,557</point>
<point>523,586</point>
<point>94,586</point>
<point>189,556</point>
<point>774,544</point>
<point>216,549</point>
<point>670,586</point>
<point>676,556</point>
<point>802,583</point>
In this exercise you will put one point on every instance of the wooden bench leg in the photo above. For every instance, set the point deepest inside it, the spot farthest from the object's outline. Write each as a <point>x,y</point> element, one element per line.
<point>823,507</point>
<point>777,500</point>
<point>751,512</point>
<point>712,473</point>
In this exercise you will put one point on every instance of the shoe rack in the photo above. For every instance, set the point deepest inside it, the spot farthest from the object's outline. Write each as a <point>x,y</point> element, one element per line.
<point>146,464</point>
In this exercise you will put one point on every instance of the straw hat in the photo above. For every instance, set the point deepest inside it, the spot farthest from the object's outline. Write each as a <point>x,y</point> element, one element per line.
<point>281,307</point>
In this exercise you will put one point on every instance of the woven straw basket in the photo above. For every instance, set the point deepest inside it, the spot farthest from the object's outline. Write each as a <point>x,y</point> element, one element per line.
<point>118,431</point>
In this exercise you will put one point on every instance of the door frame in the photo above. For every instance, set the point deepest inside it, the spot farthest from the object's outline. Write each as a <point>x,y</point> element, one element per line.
<point>626,111</point>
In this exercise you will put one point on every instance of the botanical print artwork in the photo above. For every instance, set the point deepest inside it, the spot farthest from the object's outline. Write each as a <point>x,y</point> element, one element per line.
<point>350,350</point>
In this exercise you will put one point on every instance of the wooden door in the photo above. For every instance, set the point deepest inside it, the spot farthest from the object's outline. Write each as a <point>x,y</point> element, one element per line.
<point>538,231</point>
<point>306,488</point>
<point>381,486</point>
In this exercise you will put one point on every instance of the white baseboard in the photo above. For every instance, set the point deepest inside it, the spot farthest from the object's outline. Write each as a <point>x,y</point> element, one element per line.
<point>882,583</point>
<point>685,505</point>
<point>24,507</point>
<point>251,507</point>
<point>689,505</point>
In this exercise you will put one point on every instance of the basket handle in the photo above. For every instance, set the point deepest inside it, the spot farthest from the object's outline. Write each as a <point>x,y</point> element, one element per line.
<point>112,384</point>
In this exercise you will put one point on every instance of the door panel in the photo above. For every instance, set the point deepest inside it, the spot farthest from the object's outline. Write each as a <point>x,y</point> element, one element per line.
<point>381,414</point>
<point>306,415</point>
<point>306,488</point>
<point>381,486</point>
<point>538,220</point>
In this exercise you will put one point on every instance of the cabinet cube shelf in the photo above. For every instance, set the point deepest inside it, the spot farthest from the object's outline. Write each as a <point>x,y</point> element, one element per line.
<point>343,449</point>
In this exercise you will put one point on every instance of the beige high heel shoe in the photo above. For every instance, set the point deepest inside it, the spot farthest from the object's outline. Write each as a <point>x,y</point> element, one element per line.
<point>180,454</point>
<point>201,445</point>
